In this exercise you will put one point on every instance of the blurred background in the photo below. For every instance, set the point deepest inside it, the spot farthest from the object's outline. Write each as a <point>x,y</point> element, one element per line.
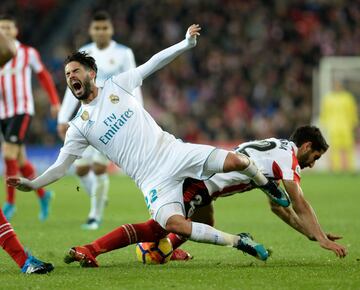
<point>261,68</point>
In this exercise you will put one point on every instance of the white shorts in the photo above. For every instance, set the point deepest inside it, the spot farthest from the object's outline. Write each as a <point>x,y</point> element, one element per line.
<point>90,156</point>
<point>167,192</point>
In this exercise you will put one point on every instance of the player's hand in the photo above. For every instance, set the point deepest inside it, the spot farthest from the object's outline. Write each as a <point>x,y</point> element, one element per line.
<point>192,33</point>
<point>54,110</point>
<point>339,250</point>
<point>61,129</point>
<point>20,183</point>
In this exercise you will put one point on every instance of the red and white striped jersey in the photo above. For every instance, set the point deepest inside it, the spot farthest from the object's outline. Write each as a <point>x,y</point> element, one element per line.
<point>275,158</point>
<point>15,82</point>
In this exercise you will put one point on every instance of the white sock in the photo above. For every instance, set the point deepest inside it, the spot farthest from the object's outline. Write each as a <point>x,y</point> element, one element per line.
<point>254,173</point>
<point>88,182</point>
<point>102,188</point>
<point>203,233</point>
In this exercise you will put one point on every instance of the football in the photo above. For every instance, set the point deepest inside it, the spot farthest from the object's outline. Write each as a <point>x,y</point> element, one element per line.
<point>154,253</point>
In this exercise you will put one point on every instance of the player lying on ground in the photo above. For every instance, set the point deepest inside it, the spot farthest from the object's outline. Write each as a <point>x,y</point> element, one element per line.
<point>277,158</point>
<point>112,121</point>
<point>8,239</point>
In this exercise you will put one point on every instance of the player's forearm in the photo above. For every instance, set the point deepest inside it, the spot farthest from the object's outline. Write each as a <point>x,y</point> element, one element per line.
<point>54,172</point>
<point>164,57</point>
<point>7,49</point>
<point>68,107</point>
<point>309,221</point>
<point>47,83</point>
<point>290,217</point>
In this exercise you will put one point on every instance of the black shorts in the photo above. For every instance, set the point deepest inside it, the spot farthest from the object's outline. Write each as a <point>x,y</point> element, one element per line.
<point>14,129</point>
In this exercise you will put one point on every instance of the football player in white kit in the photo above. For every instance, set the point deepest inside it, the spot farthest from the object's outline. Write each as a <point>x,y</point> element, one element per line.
<point>278,159</point>
<point>111,58</point>
<point>112,121</point>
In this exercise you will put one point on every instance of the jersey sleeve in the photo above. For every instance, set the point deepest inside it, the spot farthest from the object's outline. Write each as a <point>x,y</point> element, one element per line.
<point>128,80</point>
<point>35,60</point>
<point>287,167</point>
<point>130,64</point>
<point>75,143</point>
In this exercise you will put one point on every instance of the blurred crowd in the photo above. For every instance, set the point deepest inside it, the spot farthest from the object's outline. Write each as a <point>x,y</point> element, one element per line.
<point>249,77</point>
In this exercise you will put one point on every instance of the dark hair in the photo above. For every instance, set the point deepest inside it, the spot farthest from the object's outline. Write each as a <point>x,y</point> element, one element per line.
<point>101,16</point>
<point>8,17</point>
<point>83,58</point>
<point>311,134</point>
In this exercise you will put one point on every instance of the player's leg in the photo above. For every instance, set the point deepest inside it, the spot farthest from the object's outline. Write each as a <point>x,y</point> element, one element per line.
<point>10,243</point>
<point>205,215</point>
<point>102,184</point>
<point>14,131</point>
<point>10,152</point>
<point>224,161</point>
<point>88,181</point>
<point>122,236</point>
<point>27,170</point>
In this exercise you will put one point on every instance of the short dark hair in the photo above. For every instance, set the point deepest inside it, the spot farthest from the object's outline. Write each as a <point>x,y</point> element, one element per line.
<point>8,17</point>
<point>311,134</point>
<point>101,15</point>
<point>83,58</point>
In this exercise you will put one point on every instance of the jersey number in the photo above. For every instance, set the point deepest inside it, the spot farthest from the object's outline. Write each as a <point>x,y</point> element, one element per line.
<point>258,145</point>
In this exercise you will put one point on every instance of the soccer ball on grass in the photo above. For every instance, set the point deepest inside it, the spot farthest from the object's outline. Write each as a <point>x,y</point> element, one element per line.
<point>154,253</point>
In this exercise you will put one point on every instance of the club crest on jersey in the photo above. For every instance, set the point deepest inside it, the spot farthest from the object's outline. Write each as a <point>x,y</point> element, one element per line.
<point>114,99</point>
<point>85,116</point>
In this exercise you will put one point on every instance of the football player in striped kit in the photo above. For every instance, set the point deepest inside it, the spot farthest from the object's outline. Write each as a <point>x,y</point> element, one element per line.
<point>111,58</point>
<point>16,110</point>
<point>8,239</point>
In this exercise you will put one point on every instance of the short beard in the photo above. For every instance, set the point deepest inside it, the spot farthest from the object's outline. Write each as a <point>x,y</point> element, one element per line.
<point>303,160</point>
<point>87,90</point>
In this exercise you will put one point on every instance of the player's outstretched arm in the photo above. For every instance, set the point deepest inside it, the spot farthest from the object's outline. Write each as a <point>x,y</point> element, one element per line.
<point>53,173</point>
<point>7,49</point>
<point>308,220</point>
<point>165,56</point>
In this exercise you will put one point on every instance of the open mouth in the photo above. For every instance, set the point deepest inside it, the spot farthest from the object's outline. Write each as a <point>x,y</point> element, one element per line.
<point>77,86</point>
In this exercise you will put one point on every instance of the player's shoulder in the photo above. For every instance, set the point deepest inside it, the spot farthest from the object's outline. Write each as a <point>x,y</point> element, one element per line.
<point>87,47</point>
<point>121,47</point>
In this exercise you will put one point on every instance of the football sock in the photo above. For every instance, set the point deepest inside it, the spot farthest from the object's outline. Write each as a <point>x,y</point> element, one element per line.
<point>11,169</point>
<point>28,171</point>
<point>176,240</point>
<point>203,233</point>
<point>88,182</point>
<point>254,173</point>
<point>102,188</point>
<point>10,243</point>
<point>125,235</point>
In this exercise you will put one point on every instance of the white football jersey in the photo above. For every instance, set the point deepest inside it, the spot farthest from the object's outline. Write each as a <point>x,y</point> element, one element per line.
<point>113,60</point>
<point>275,158</point>
<point>117,125</point>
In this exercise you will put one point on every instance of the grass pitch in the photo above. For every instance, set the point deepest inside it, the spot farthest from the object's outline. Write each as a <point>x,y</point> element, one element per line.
<point>296,263</point>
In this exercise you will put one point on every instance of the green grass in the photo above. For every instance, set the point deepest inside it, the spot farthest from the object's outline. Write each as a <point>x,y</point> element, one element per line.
<point>296,262</point>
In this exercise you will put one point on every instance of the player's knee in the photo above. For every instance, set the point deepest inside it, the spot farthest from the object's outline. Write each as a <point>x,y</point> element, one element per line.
<point>179,225</point>
<point>99,168</point>
<point>82,170</point>
<point>235,162</point>
<point>10,151</point>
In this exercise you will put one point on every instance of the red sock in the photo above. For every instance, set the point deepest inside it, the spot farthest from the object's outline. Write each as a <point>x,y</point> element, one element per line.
<point>10,243</point>
<point>125,235</point>
<point>176,240</point>
<point>11,169</point>
<point>28,171</point>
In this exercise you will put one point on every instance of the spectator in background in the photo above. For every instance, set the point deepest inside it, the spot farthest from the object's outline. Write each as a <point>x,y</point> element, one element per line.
<point>16,110</point>
<point>339,118</point>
